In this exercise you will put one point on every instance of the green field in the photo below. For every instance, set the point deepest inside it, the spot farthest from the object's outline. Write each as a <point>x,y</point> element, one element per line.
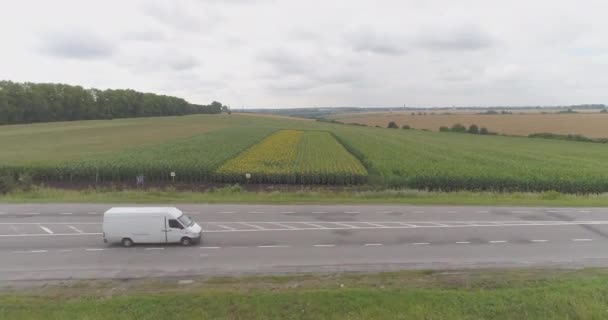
<point>195,147</point>
<point>458,294</point>
<point>296,157</point>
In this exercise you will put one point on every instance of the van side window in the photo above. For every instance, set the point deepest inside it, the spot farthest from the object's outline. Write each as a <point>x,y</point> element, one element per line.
<point>174,224</point>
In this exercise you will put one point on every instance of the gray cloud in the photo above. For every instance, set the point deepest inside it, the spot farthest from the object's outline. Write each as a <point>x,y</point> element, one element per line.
<point>460,38</point>
<point>180,63</point>
<point>284,62</point>
<point>373,41</point>
<point>339,52</point>
<point>77,44</point>
<point>294,71</point>
<point>159,60</point>
<point>172,14</point>
<point>145,35</point>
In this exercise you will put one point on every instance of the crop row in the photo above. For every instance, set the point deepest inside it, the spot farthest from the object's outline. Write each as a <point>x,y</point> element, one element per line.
<point>192,160</point>
<point>295,157</point>
<point>451,161</point>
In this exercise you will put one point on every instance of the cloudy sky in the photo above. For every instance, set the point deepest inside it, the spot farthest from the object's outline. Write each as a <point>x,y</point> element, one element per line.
<point>279,53</point>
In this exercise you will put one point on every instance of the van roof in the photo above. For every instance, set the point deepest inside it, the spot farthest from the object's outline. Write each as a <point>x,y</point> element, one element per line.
<point>143,211</point>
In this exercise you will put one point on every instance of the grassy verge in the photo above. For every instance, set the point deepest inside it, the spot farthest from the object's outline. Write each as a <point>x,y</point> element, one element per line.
<point>515,294</point>
<point>311,196</point>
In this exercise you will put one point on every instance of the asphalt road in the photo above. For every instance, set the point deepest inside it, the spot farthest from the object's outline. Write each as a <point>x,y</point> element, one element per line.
<point>56,241</point>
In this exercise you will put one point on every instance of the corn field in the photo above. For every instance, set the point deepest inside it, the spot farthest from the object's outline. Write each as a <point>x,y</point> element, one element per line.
<point>295,157</point>
<point>192,160</point>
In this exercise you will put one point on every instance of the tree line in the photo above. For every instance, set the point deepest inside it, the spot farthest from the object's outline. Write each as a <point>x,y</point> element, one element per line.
<point>46,102</point>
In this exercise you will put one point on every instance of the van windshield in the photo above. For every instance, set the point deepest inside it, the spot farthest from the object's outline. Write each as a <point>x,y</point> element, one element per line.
<point>185,220</point>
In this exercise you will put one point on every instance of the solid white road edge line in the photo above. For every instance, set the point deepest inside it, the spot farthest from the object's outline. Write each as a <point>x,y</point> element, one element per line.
<point>50,235</point>
<point>274,246</point>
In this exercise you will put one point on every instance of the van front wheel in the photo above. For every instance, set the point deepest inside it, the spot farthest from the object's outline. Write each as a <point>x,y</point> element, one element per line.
<point>126,242</point>
<point>186,241</point>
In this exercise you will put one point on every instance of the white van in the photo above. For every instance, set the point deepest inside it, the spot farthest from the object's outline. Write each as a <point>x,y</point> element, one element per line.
<point>149,225</point>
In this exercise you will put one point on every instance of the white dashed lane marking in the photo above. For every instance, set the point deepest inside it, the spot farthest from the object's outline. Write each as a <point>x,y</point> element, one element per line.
<point>372,244</point>
<point>252,225</point>
<point>75,229</point>
<point>154,249</point>
<point>14,229</point>
<point>226,227</point>
<point>421,243</point>
<point>45,229</point>
<point>274,246</point>
<point>463,242</point>
<point>539,240</point>
<point>581,240</point>
<point>345,225</point>
<point>325,245</point>
<point>39,251</point>
<point>226,212</point>
<point>498,241</point>
<point>94,249</point>
<point>283,225</point>
<point>66,213</point>
<point>209,247</point>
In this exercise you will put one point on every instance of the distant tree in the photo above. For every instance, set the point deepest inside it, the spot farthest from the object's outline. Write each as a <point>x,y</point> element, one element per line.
<point>474,129</point>
<point>392,125</point>
<point>444,129</point>
<point>603,110</point>
<point>405,127</point>
<point>458,128</point>
<point>44,102</point>
<point>483,130</point>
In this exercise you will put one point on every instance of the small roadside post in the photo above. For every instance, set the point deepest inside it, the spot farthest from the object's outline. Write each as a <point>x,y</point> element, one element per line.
<point>173,176</point>
<point>247,176</point>
<point>140,180</point>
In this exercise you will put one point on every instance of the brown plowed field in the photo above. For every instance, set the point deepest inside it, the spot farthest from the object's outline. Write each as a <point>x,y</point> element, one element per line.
<point>588,124</point>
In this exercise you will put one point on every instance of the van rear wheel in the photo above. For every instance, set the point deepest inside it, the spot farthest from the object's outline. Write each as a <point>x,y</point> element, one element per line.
<point>126,242</point>
<point>186,241</point>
